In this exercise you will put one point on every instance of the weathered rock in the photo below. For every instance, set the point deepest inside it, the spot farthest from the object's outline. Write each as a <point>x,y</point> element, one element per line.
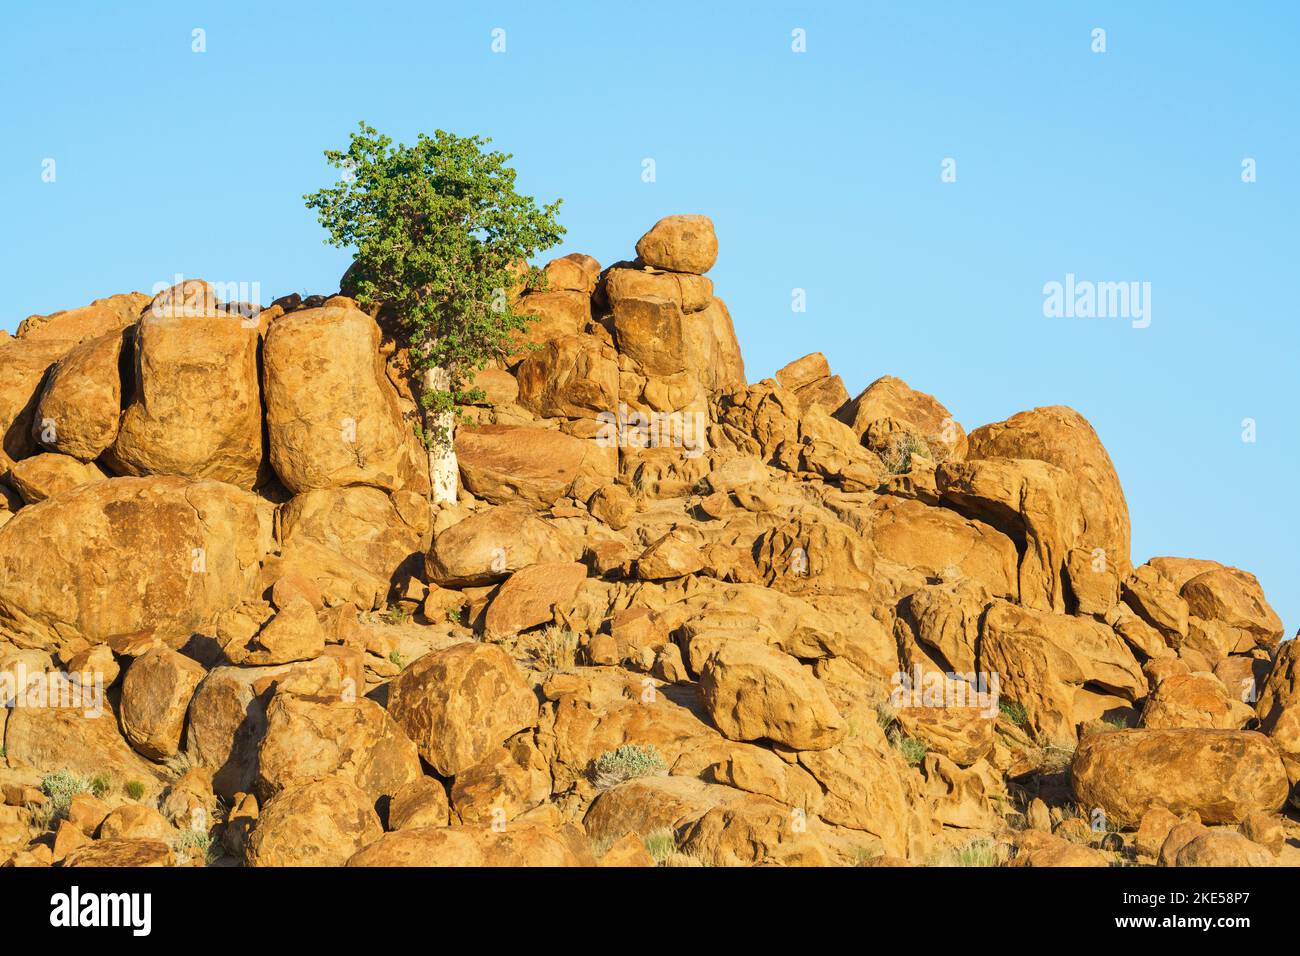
<point>155,697</point>
<point>1223,775</point>
<point>680,244</point>
<point>332,417</point>
<point>1222,848</point>
<point>939,543</point>
<point>1194,700</point>
<point>556,314</point>
<point>419,803</point>
<point>1228,606</point>
<point>293,634</point>
<point>80,405</point>
<point>692,293</point>
<point>135,821</point>
<point>533,466</point>
<point>1034,503</point>
<point>573,376</point>
<point>508,782</point>
<point>364,525</point>
<point>318,824</point>
<point>227,721</point>
<point>492,544</point>
<point>308,739</point>
<point>755,692</point>
<point>889,397</point>
<point>122,853</point>
<point>533,595</point>
<point>197,407</point>
<point>457,704</point>
<point>649,330</point>
<point>159,554</point>
<point>521,845</point>
<point>1061,436</point>
<point>671,556</point>
<point>1153,830</point>
<point>47,475</point>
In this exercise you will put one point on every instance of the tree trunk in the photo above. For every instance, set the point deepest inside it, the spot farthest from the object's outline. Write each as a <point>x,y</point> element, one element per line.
<point>443,470</point>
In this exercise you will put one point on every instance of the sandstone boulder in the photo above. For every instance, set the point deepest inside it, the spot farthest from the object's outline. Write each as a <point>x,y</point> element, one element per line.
<point>317,824</point>
<point>309,739</point>
<point>197,407</point>
<point>80,405</point>
<point>477,846</point>
<point>332,417</point>
<point>533,466</point>
<point>155,697</point>
<point>755,692</point>
<point>457,704</point>
<point>1061,436</point>
<point>159,554</point>
<point>1223,775</point>
<point>680,244</point>
<point>47,475</point>
<point>889,397</point>
<point>533,595</point>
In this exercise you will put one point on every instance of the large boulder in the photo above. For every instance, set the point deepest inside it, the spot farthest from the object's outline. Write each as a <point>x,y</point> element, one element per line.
<point>1043,660</point>
<point>1061,436</point>
<point>311,738</point>
<point>155,697</point>
<point>755,692</point>
<point>1223,775</point>
<point>492,544</point>
<point>938,543</point>
<point>575,376</point>
<point>680,244</point>
<point>625,281</point>
<point>25,364</point>
<point>130,554</point>
<point>49,474</point>
<point>534,466</point>
<point>532,595</point>
<point>1227,613</point>
<point>363,525</point>
<point>1036,504</point>
<point>317,824</point>
<point>197,407</point>
<point>892,398</point>
<point>227,721</point>
<point>80,405</point>
<point>332,416</point>
<point>649,329</point>
<point>459,703</point>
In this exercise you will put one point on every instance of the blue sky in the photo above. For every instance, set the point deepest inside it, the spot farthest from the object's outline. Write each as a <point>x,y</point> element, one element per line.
<point>821,171</point>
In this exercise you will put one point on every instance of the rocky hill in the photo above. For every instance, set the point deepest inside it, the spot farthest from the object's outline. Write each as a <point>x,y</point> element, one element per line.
<point>674,617</point>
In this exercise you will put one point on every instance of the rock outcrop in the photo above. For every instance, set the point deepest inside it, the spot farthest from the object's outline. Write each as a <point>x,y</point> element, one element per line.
<point>673,617</point>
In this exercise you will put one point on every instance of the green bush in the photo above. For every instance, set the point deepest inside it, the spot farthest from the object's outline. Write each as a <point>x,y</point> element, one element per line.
<point>626,763</point>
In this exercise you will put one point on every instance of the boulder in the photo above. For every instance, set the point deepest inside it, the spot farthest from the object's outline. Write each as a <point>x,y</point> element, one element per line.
<point>1227,606</point>
<point>509,781</point>
<point>575,272</point>
<point>554,315</point>
<point>889,397</point>
<point>574,376</point>
<point>196,411</point>
<point>533,466</point>
<point>80,405</point>
<point>312,738</point>
<point>680,244</point>
<point>692,293</point>
<point>293,634</point>
<point>1035,504</point>
<point>649,329</point>
<point>47,475</point>
<point>159,554</point>
<point>1223,775</point>
<point>317,824</point>
<point>489,545</point>
<point>1061,436</point>
<point>227,721</point>
<point>121,853</point>
<point>671,556</point>
<point>1194,700</point>
<point>1222,848</point>
<point>419,803</point>
<point>155,697</point>
<point>755,692</point>
<point>476,846</point>
<point>332,416</point>
<point>363,525</point>
<point>459,703</point>
<point>134,821</point>
<point>533,595</point>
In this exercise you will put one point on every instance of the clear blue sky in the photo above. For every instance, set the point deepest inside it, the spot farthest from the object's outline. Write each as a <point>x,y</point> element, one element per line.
<point>821,171</point>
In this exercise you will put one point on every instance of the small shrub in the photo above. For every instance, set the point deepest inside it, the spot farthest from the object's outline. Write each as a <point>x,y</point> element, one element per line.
<point>626,763</point>
<point>900,449</point>
<point>396,616</point>
<point>885,715</point>
<point>913,749</point>
<point>194,843</point>
<point>556,649</point>
<point>100,784</point>
<point>59,788</point>
<point>978,852</point>
<point>1013,712</point>
<point>134,789</point>
<point>396,658</point>
<point>661,844</point>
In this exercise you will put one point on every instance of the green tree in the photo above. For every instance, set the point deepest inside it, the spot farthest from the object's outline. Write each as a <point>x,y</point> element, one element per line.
<point>441,238</point>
